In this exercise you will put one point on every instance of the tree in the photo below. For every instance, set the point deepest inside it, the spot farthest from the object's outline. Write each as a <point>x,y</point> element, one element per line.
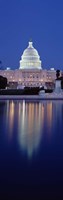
<point>62,80</point>
<point>3,82</point>
<point>0,64</point>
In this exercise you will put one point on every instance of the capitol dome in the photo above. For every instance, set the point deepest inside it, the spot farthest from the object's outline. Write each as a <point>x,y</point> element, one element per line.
<point>30,58</point>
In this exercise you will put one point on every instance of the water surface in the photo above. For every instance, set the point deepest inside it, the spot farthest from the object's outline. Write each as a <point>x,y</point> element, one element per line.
<point>31,149</point>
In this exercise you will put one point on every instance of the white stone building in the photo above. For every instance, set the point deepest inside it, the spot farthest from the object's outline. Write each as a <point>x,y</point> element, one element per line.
<point>30,72</point>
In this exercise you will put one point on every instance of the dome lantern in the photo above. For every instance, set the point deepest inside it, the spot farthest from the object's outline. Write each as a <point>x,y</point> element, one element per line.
<point>30,45</point>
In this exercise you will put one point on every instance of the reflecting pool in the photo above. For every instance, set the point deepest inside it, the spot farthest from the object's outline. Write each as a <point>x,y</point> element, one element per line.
<point>31,149</point>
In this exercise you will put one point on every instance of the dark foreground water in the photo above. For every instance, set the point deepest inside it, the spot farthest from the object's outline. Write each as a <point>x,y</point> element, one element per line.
<point>31,149</point>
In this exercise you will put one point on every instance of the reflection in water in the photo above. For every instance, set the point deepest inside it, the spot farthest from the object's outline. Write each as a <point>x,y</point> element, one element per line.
<point>10,117</point>
<point>49,113</point>
<point>31,118</point>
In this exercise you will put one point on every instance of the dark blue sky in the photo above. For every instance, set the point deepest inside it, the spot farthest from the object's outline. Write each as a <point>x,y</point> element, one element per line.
<point>41,20</point>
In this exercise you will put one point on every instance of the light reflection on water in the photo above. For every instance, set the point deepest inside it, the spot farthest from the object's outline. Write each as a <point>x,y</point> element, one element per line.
<point>28,120</point>
<point>31,148</point>
<point>30,125</point>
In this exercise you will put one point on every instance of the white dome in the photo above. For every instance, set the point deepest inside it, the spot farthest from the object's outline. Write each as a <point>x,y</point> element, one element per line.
<point>30,58</point>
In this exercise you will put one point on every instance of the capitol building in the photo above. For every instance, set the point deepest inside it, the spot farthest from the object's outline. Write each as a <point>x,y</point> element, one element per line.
<point>30,72</point>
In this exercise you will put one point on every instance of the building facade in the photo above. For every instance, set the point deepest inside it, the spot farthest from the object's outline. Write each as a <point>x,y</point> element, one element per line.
<point>30,72</point>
